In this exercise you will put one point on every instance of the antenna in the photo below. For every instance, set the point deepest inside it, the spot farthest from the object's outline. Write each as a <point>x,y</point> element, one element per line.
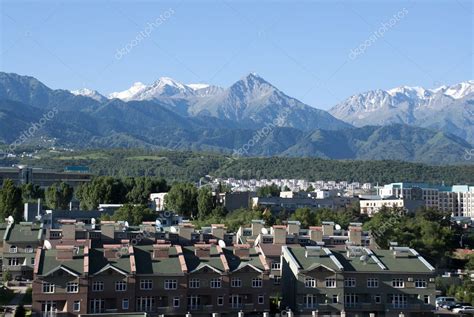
<point>47,245</point>
<point>222,243</point>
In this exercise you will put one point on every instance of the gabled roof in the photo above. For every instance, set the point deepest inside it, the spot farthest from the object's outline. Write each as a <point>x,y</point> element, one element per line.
<point>110,267</point>
<point>201,266</point>
<point>64,268</point>
<point>244,265</point>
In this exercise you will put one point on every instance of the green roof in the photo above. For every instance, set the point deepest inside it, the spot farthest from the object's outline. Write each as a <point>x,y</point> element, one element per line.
<point>236,262</point>
<point>49,262</point>
<point>97,261</point>
<point>23,233</point>
<point>193,262</point>
<point>147,265</point>
<point>306,263</point>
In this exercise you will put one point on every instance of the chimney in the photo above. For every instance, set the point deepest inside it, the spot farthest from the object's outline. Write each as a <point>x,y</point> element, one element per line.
<point>293,227</point>
<point>257,226</point>
<point>202,250</point>
<point>242,251</point>
<point>355,235</point>
<point>328,228</point>
<point>113,251</point>
<point>185,231</point>
<point>161,251</point>
<point>68,230</point>
<point>107,229</point>
<point>64,252</point>
<point>218,231</point>
<point>279,234</point>
<point>316,234</point>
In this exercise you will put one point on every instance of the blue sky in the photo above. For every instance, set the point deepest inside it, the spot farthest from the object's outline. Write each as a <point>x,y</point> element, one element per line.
<point>302,47</point>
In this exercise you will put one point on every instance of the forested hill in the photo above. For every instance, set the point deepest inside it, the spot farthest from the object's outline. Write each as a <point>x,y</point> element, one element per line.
<point>191,166</point>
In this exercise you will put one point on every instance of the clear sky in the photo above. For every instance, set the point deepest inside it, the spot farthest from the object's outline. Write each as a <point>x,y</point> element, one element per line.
<point>302,47</point>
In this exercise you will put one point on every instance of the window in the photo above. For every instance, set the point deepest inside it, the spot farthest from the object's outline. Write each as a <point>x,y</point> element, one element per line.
<point>194,283</point>
<point>275,265</point>
<point>97,286</point>
<point>125,304</point>
<point>171,284</point>
<point>175,301</point>
<point>398,283</point>
<point>330,282</point>
<point>235,301</point>
<point>351,299</point>
<point>13,261</point>
<point>32,261</point>
<point>236,282</point>
<point>145,303</point>
<point>372,282</point>
<point>420,283</point>
<point>48,287</point>
<point>426,299</point>
<point>29,249</point>
<point>398,300</point>
<point>277,280</point>
<point>261,299</point>
<point>120,286</point>
<point>194,302</point>
<point>76,306</point>
<point>13,249</point>
<point>335,299</point>
<point>146,284</point>
<point>310,300</point>
<point>377,299</point>
<point>220,301</point>
<point>350,282</point>
<point>257,282</point>
<point>309,282</point>
<point>72,287</point>
<point>216,283</point>
<point>97,306</point>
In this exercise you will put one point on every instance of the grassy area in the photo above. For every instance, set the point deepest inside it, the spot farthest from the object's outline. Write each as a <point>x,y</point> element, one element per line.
<point>146,158</point>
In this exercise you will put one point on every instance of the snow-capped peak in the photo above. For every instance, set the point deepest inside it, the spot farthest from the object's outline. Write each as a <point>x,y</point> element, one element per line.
<point>129,94</point>
<point>198,86</point>
<point>456,91</point>
<point>94,94</point>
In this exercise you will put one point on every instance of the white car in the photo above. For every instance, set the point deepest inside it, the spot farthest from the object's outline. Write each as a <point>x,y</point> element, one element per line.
<point>464,309</point>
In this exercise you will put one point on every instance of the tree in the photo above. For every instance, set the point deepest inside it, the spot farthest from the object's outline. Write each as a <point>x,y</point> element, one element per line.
<point>205,202</point>
<point>7,276</point>
<point>102,190</point>
<point>31,192</point>
<point>134,214</point>
<point>182,199</point>
<point>268,191</point>
<point>305,216</point>
<point>143,187</point>
<point>310,188</point>
<point>59,196</point>
<point>10,201</point>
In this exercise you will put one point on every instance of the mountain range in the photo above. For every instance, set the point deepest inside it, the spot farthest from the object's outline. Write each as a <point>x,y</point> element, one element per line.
<point>251,117</point>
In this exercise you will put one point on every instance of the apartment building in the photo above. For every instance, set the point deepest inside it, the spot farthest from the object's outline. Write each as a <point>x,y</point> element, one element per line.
<point>358,281</point>
<point>457,199</point>
<point>157,279</point>
<point>20,242</point>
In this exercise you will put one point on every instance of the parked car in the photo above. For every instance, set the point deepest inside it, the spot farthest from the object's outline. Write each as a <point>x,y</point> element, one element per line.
<point>457,305</point>
<point>441,301</point>
<point>19,278</point>
<point>464,309</point>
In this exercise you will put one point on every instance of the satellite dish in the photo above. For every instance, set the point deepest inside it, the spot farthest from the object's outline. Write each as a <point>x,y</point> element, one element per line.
<point>173,230</point>
<point>338,227</point>
<point>158,223</point>
<point>222,243</point>
<point>264,231</point>
<point>47,245</point>
<point>93,221</point>
<point>126,224</point>
<point>10,220</point>
<point>364,258</point>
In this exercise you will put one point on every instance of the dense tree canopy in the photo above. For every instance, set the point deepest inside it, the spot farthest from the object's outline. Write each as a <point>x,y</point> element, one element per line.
<point>58,196</point>
<point>182,198</point>
<point>11,203</point>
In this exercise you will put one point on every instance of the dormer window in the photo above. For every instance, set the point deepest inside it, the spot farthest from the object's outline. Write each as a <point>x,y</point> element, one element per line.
<point>29,249</point>
<point>13,249</point>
